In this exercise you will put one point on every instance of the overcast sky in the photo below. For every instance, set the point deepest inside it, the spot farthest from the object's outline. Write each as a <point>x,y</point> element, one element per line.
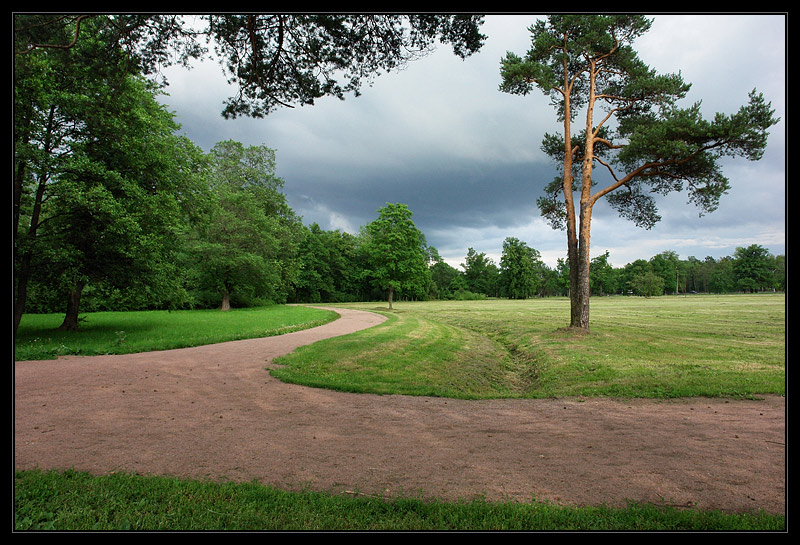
<point>441,138</point>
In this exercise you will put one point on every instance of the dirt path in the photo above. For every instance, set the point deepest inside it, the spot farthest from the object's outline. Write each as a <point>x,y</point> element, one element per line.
<point>214,412</point>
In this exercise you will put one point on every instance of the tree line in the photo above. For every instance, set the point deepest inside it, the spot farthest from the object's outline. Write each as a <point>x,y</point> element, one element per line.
<point>751,269</point>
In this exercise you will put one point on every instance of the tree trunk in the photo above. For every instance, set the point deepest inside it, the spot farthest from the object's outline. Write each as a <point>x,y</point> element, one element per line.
<point>579,297</point>
<point>22,290</point>
<point>24,272</point>
<point>582,291</point>
<point>73,306</point>
<point>580,288</point>
<point>391,296</point>
<point>226,301</point>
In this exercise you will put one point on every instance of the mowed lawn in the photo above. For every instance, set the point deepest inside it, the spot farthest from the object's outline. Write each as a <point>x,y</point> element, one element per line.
<point>126,332</point>
<point>671,346</point>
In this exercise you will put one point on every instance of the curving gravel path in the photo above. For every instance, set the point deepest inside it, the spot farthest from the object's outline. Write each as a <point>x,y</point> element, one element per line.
<point>214,412</point>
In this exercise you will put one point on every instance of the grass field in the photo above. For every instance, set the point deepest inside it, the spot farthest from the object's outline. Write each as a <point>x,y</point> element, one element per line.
<point>658,347</point>
<point>126,332</point>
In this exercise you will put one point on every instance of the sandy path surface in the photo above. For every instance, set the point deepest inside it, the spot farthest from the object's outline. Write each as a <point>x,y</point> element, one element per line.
<point>214,412</point>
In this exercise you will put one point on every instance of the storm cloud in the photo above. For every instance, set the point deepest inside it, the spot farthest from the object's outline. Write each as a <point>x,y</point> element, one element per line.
<point>440,137</point>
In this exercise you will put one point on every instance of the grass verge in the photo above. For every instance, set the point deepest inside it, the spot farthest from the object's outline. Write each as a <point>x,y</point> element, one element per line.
<point>78,501</point>
<point>126,332</point>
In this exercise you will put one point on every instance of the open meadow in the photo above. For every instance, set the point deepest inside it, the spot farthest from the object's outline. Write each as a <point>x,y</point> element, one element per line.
<point>685,346</point>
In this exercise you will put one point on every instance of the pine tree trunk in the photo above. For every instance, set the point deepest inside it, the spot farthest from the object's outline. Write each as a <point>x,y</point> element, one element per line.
<point>579,274</point>
<point>579,298</point>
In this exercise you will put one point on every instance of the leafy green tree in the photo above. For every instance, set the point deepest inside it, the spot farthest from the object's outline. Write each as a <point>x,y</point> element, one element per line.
<point>602,275</point>
<point>480,272</point>
<point>458,285</point>
<point>666,265</point>
<point>722,277</point>
<point>91,145</point>
<point>328,270</point>
<point>754,268</point>
<point>585,62</point>
<point>247,245</point>
<point>48,105</point>
<point>314,282</point>
<point>110,212</point>
<point>648,284</point>
<point>396,251</point>
<point>518,266</point>
<point>443,276</point>
<point>630,271</point>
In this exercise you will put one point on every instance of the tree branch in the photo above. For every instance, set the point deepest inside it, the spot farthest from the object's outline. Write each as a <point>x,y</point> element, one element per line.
<point>70,45</point>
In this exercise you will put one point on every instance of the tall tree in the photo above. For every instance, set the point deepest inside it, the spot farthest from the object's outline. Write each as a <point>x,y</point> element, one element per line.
<point>518,269</point>
<point>480,272</point>
<point>247,244</point>
<point>585,62</point>
<point>115,211</point>
<point>396,250</point>
<point>97,165</point>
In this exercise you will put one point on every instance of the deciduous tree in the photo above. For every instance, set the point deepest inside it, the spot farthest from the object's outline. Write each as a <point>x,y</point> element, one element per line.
<point>396,251</point>
<point>518,269</point>
<point>247,243</point>
<point>480,272</point>
<point>754,268</point>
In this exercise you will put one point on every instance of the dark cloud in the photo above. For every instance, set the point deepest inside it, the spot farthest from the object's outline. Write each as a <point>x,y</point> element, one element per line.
<point>465,158</point>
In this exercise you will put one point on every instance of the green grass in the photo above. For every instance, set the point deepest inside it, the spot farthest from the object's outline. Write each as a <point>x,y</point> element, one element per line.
<point>38,336</point>
<point>78,501</point>
<point>731,346</point>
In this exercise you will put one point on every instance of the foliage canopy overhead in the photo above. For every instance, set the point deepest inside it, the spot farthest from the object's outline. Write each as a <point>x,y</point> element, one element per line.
<point>274,60</point>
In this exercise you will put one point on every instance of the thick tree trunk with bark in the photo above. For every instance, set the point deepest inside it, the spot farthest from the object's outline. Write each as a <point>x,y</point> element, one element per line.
<point>73,306</point>
<point>579,318</point>
<point>579,296</point>
<point>226,301</point>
